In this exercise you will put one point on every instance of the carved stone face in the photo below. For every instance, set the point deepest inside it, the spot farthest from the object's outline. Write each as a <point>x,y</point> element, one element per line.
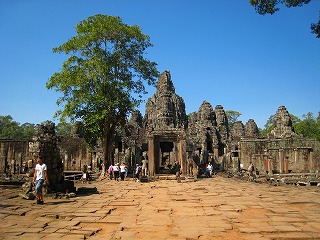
<point>165,109</point>
<point>205,111</point>
<point>282,123</point>
<point>251,128</point>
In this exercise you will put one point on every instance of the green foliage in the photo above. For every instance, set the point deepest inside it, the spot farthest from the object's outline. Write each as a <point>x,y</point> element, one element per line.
<point>271,6</point>
<point>27,130</point>
<point>315,28</point>
<point>63,129</point>
<point>232,117</point>
<point>10,129</point>
<point>268,127</point>
<point>46,122</point>
<point>105,68</point>
<point>309,127</point>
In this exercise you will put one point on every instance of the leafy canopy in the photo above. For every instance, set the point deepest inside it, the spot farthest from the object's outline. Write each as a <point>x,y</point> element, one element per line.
<point>13,130</point>
<point>232,117</point>
<point>309,127</point>
<point>106,68</point>
<point>271,6</point>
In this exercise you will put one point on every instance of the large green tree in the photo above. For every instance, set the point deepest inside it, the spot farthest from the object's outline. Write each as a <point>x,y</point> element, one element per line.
<point>309,127</point>
<point>271,6</point>
<point>232,117</point>
<point>64,129</point>
<point>11,129</point>
<point>103,78</point>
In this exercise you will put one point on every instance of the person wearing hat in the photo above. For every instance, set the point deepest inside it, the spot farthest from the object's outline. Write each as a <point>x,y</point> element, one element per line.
<point>116,174</point>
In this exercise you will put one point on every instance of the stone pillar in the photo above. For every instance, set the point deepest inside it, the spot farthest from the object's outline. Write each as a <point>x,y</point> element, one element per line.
<point>236,164</point>
<point>295,155</point>
<point>287,165</point>
<point>311,161</point>
<point>2,157</point>
<point>216,152</point>
<point>151,157</point>
<point>182,156</point>
<point>281,160</point>
<point>270,167</point>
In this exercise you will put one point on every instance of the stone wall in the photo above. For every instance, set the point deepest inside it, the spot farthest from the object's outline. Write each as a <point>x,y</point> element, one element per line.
<point>294,155</point>
<point>12,153</point>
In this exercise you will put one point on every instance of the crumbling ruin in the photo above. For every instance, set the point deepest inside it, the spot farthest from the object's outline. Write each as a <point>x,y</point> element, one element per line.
<point>166,134</point>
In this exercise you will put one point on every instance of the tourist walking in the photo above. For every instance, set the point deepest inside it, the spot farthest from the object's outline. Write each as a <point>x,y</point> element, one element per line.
<point>177,168</point>
<point>209,169</point>
<point>39,178</point>
<point>123,169</point>
<point>17,168</point>
<point>137,172</point>
<point>85,174</point>
<point>116,170</point>
<point>110,171</point>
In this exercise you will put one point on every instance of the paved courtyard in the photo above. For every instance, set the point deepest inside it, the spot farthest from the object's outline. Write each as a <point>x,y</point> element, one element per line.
<point>215,208</point>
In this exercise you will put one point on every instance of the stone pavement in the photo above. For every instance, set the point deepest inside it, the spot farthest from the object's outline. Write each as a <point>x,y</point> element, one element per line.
<point>215,208</point>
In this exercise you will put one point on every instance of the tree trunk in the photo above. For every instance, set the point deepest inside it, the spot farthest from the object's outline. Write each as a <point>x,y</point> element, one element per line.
<point>107,144</point>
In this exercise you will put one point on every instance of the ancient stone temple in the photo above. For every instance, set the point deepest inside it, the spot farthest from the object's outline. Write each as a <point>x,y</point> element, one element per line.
<point>283,151</point>
<point>207,132</point>
<point>165,122</point>
<point>167,134</point>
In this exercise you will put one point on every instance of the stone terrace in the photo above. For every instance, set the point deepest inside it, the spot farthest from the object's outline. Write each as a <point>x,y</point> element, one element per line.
<point>215,208</point>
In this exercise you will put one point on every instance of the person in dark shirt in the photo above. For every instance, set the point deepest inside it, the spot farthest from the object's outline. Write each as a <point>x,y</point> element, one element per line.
<point>177,167</point>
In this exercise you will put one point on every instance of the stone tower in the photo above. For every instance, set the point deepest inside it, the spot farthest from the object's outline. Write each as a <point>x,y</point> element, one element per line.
<point>207,134</point>
<point>165,109</point>
<point>282,124</point>
<point>222,125</point>
<point>165,121</point>
<point>251,129</point>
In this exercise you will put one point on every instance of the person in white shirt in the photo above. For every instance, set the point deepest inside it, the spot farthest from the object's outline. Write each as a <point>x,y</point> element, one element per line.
<point>40,176</point>
<point>123,169</point>
<point>116,172</point>
<point>209,169</point>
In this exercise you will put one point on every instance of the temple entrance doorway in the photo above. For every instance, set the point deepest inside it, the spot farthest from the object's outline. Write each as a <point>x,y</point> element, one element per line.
<point>163,150</point>
<point>167,157</point>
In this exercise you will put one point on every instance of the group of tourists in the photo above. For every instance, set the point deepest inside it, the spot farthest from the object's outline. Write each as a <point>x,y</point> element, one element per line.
<point>12,167</point>
<point>120,171</point>
<point>117,171</point>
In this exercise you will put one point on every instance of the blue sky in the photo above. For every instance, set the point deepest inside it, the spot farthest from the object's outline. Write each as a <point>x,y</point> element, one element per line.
<point>218,51</point>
